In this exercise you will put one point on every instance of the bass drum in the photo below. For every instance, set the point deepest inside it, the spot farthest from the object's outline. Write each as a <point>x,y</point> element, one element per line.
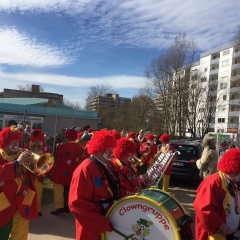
<point>150,215</point>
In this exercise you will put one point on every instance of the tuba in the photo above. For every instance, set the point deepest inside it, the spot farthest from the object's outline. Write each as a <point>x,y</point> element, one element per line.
<point>39,164</point>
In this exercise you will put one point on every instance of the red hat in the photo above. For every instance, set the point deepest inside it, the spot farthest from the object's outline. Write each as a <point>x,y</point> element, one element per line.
<point>37,135</point>
<point>115,133</point>
<point>71,134</point>
<point>230,161</point>
<point>123,148</point>
<point>131,135</point>
<point>150,136</point>
<point>165,138</point>
<point>89,130</point>
<point>101,141</point>
<point>8,135</point>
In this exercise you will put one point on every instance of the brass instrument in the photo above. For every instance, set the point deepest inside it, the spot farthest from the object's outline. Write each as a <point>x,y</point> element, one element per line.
<point>137,162</point>
<point>154,174</point>
<point>85,137</point>
<point>39,164</point>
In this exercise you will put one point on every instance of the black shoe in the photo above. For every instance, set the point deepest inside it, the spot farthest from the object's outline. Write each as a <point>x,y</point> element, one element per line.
<point>66,209</point>
<point>39,214</point>
<point>58,211</point>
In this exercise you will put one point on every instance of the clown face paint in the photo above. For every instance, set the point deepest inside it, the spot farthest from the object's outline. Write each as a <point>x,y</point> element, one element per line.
<point>108,154</point>
<point>14,145</point>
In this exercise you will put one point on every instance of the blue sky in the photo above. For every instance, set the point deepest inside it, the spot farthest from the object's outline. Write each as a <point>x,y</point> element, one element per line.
<point>68,46</point>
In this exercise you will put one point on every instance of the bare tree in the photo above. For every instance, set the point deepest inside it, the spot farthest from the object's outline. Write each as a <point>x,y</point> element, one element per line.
<point>28,88</point>
<point>75,106</point>
<point>169,75</point>
<point>236,36</point>
<point>99,90</point>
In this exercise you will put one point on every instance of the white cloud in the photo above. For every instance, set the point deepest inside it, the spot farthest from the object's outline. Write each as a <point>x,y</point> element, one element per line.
<point>138,23</point>
<point>20,49</point>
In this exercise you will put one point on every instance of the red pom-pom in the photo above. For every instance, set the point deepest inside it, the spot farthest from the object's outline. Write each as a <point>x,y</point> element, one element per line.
<point>101,141</point>
<point>37,135</point>
<point>89,130</point>
<point>132,135</point>
<point>123,148</point>
<point>165,138</point>
<point>8,135</point>
<point>115,133</point>
<point>150,137</point>
<point>230,161</point>
<point>71,134</point>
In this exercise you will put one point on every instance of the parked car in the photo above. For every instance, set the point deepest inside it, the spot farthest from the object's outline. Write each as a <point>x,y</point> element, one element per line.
<point>184,162</point>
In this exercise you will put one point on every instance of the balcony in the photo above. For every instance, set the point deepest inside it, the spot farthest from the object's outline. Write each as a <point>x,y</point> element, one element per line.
<point>236,66</point>
<point>215,71</point>
<point>234,89</point>
<point>234,78</point>
<point>214,61</point>
<point>233,114</point>
<point>235,55</point>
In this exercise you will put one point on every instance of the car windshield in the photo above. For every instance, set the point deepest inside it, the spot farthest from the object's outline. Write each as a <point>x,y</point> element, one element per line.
<point>184,150</point>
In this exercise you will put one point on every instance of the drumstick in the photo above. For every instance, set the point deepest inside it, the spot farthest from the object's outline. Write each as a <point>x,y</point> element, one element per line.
<point>120,233</point>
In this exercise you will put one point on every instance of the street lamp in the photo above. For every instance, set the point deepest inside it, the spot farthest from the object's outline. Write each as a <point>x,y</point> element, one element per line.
<point>146,124</point>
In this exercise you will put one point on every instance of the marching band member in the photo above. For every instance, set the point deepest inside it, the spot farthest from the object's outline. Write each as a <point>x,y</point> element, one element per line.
<point>18,199</point>
<point>165,146</point>
<point>217,203</point>
<point>37,145</point>
<point>94,187</point>
<point>148,151</point>
<point>69,156</point>
<point>129,177</point>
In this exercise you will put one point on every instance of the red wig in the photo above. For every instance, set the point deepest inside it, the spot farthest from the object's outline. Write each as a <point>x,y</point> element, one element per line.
<point>150,137</point>
<point>165,138</point>
<point>8,135</point>
<point>37,135</point>
<point>132,135</point>
<point>123,148</point>
<point>230,161</point>
<point>101,141</point>
<point>89,130</point>
<point>71,134</point>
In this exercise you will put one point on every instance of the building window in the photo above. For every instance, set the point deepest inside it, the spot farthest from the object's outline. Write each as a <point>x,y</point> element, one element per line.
<point>224,97</point>
<point>226,52</point>
<point>225,63</point>
<point>221,120</point>
<point>203,79</point>
<point>205,69</point>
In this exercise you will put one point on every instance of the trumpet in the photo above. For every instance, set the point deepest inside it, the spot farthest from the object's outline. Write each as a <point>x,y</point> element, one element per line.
<point>137,162</point>
<point>39,164</point>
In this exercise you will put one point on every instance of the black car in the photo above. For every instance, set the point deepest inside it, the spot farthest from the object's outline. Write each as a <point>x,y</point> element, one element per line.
<point>184,162</point>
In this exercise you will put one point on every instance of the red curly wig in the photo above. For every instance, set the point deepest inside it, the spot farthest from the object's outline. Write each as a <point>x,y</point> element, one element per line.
<point>123,148</point>
<point>101,141</point>
<point>230,161</point>
<point>150,137</point>
<point>8,135</point>
<point>71,134</point>
<point>165,138</point>
<point>37,135</point>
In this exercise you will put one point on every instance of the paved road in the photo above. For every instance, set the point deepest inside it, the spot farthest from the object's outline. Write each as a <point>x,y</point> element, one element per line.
<point>62,227</point>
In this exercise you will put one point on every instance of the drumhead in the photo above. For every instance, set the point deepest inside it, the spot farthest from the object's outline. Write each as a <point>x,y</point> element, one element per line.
<point>141,218</point>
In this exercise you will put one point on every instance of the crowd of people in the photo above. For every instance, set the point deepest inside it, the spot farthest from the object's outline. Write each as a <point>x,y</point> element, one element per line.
<point>93,169</point>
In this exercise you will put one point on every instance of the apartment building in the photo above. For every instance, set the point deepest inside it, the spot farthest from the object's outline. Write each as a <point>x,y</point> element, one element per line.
<point>112,101</point>
<point>220,68</point>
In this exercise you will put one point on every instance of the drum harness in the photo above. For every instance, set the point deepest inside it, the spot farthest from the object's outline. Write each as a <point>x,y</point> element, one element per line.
<point>113,181</point>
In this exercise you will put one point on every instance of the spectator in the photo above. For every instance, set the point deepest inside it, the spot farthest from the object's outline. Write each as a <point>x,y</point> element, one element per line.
<point>207,164</point>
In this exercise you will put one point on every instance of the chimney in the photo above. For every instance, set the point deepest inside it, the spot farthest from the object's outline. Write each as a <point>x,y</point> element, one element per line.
<point>35,88</point>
